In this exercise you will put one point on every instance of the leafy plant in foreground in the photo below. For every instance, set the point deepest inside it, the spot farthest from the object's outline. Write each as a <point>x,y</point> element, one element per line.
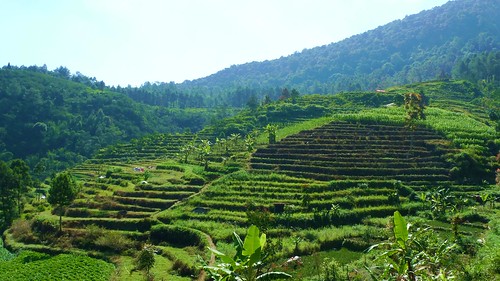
<point>247,263</point>
<point>414,256</point>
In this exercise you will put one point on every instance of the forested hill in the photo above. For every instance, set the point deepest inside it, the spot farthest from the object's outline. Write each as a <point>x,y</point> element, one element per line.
<point>52,122</point>
<point>445,41</point>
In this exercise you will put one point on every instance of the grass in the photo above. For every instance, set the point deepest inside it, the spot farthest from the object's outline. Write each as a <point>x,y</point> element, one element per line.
<point>262,139</point>
<point>162,270</point>
<point>311,265</point>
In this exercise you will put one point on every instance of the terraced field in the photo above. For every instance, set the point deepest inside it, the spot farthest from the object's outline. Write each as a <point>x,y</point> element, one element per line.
<point>124,196</point>
<point>151,147</point>
<point>319,190</point>
<point>341,174</point>
<point>346,150</point>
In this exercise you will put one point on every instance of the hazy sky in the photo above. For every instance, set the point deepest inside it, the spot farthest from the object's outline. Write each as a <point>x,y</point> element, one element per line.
<point>132,41</point>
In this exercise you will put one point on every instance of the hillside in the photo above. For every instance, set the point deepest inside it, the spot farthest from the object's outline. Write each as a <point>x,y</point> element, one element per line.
<point>53,122</point>
<point>440,42</point>
<point>326,190</point>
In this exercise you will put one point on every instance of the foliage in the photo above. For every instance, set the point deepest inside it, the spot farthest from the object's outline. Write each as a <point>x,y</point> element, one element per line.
<point>176,236</point>
<point>5,255</point>
<point>485,265</point>
<point>70,121</point>
<point>439,43</point>
<point>204,151</point>
<point>35,266</point>
<point>114,241</point>
<point>146,259</point>
<point>414,255</point>
<point>331,270</point>
<point>414,106</point>
<point>246,263</point>
<point>62,192</point>
<point>271,131</point>
<point>9,184</point>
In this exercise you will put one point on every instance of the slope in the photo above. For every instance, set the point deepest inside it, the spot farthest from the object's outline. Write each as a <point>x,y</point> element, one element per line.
<point>329,183</point>
<point>417,48</point>
<point>53,122</point>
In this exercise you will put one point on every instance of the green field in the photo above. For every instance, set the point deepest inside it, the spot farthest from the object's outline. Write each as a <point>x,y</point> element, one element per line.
<point>326,191</point>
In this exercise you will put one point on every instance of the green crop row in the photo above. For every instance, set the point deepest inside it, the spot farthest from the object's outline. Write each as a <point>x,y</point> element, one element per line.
<point>154,194</point>
<point>39,267</point>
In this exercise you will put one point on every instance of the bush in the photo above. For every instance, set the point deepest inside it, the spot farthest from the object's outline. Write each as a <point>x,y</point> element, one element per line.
<point>183,268</point>
<point>176,236</point>
<point>43,226</point>
<point>193,179</point>
<point>331,270</point>
<point>114,241</point>
<point>22,232</point>
<point>31,256</point>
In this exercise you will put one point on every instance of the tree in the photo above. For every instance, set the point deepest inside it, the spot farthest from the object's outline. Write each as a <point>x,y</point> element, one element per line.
<point>62,72</point>
<point>22,173</point>
<point>186,150</point>
<point>249,142</point>
<point>234,139</point>
<point>62,192</point>
<point>267,100</point>
<point>146,260</point>
<point>253,103</point>
<point>285,94</point>
<point>294,95</point>
<point>8,185</point>
<point>414,107</point>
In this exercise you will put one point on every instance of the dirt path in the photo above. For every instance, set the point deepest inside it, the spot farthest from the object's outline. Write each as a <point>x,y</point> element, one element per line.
<point>211,244</point>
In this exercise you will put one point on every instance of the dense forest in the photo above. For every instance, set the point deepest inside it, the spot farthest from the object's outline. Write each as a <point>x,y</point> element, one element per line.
<point>53,122</point>
<point>445,42</point>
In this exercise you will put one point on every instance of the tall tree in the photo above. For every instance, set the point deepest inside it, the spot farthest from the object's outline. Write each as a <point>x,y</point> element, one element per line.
<point>62,192</point>
<point>22,173</point>
<point>294,95</point>
<point>285,94</point>
<point>8,185</point>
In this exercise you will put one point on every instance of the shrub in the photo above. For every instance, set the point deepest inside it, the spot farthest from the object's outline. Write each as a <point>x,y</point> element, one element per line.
<point>21,231</point>
<point>193,179</point>
<point>43,226</point>
<point>331,270</point>
<point>183,268</point>
<point>176,236</point>
<point>91,234</point>
<point>31,256</point>
<point>114,241</point>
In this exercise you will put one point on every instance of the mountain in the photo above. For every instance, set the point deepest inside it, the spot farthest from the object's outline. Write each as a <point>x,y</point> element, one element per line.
<point>419,47</point>
<point>52,122</point>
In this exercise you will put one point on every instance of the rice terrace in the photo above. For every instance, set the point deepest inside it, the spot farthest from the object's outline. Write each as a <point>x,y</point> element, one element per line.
<point>301,175</point>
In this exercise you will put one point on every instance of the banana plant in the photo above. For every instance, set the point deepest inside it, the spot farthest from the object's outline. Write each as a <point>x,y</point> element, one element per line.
<point>399,256</point>
<point>204,150</point>
<point>247,263</point>
<point>413,255</point>
<point>271,130</point>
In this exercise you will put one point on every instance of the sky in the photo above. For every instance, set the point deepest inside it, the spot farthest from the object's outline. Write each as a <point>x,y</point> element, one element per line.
<point>129,42</point>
